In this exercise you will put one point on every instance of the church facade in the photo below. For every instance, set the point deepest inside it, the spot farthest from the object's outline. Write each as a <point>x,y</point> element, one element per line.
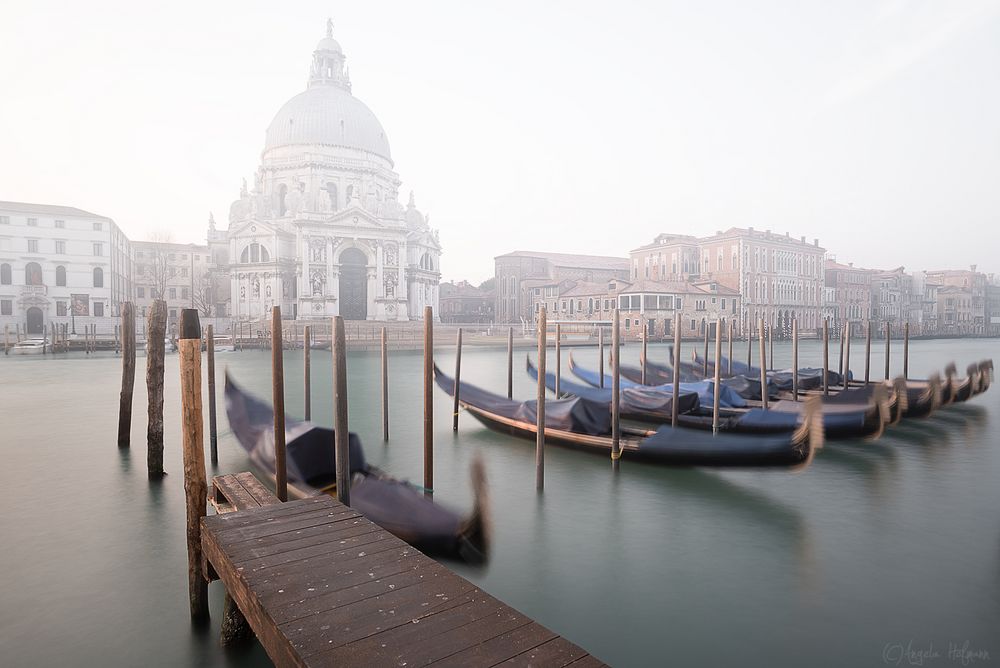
<point>321,232</point>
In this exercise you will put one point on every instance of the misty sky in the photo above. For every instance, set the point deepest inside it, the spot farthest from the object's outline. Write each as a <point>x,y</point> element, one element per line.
<point>562,126</point>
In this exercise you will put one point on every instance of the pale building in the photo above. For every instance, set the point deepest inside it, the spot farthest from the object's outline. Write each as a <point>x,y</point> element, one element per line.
<point>59,264</point>
<point>321,232</point>
<point>852,295</point>
<point>179,274</point>
<point>975,283</point>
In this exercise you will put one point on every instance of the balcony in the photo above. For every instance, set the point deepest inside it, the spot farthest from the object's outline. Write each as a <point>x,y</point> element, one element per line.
<point>33,290</point>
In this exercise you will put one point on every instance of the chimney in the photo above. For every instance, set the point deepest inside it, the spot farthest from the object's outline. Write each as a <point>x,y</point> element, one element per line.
<point>973,267</point>
<point>850,264</point>
<point>816,242</point>
<point>769,233</point>
<point>750,229</point>
<point>803,238</point>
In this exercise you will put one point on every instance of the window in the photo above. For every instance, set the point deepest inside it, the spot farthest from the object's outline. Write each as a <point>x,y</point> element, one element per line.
<point>6,307</point>
<point>197,258</point>
<point>32,245</point>
<point>60,247</point>
<point>628,322</point>
<point>723,303</point>
<point>5,277</point>
<point>61,276</point>
<point>140,292</point>
<point>60,308</point>
<point>694,325</point>
<point>184,293</point>
<point>60,224</point>
<point>4,220</point>
<point>99,309</point>
<point>184,271</point>
<point>173,293</point>
<point>184,256</point>
<point>32,222</point>
<point>171,257</point>
<point>257,253</point>
<point>98,249</point>
<point>139,254</point>
<point>98,226</point>
<point>98,278</point>
<point>33,274</point>
<point>173,313</point>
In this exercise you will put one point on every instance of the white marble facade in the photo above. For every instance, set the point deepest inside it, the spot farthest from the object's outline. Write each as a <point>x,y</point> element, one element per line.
<point>321,232</point>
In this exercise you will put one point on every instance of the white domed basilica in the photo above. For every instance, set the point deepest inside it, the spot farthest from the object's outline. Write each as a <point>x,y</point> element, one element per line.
<point>322,232</point>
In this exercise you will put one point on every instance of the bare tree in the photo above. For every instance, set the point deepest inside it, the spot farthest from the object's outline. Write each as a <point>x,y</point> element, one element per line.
<point>158,266</point>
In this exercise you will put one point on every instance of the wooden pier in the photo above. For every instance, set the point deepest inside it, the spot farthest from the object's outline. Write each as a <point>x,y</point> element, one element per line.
<point>321,585</point>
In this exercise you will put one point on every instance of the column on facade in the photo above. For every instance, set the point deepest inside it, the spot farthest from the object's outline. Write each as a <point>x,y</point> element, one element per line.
<point>372,273</point>
<point>332,276</point>
<point>305,285</point>
<point>405,308</point>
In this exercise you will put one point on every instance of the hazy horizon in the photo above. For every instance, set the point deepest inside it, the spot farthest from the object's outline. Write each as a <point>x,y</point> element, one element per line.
<point>565,127</point>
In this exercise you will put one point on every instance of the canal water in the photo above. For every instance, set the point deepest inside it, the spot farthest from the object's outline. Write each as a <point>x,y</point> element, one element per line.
<point>876,550</point>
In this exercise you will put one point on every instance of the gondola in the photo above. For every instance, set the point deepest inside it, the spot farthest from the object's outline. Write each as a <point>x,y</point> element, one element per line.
<point>810,378</point>
<point>584,424</point>
<point>395,505</point>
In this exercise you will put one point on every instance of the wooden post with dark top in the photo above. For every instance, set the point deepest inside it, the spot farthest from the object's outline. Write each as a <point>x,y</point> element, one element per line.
<point>128,375</point>
<point>156,327</point>
<point>458,377</point>
<point>840,364</point>
<point>906,349</point>
<point>540,402</point>
<point>278,399</point>
<point>868,350</point>
<point>795,359</point>
<point>763,366</point>
<point>847,354</point>
<point>730,331</point>
<point>705,360</point>
<point>616,388</point>
<point>341,435</point>
<point>645,327</point>
<point>428,400</point>
<point>306,372</point>
<point>558,390</point>
<point>213,432</point>
<point>770,344</point>
<point>510,362</point>
<point>385,385</point>
<point>888,338</point>
<point>749,345</point>
<point>718,377</point>
<point>195,485</point>
<point>677,371</point>
<point>826,356</point>
<point>600,355</point>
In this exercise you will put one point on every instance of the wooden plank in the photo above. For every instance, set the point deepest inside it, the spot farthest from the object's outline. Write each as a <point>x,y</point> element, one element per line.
<point>318,541</point>
<point>500,647</point>
<point>261,494</point>
<point>556,653</point>
<point>253,516</point>
<point>314,517</point>
<point>230,495</point>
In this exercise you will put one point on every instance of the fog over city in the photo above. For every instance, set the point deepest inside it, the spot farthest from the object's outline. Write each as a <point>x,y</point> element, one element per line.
<point>577,127</point>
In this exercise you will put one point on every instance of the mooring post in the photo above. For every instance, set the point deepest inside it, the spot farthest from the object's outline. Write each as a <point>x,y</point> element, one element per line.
<point>600,354</point>
<point>428,400</point>
<point>510,362</point>
<point>749,345</point>
<point>718,377</point>
<point>906,349</point>
<point>643,353</point>
<point>704,371</point>
<point>558,392</point>
<point>540,403</point>
<point>128,375</point>
<point>868,350</point>
<point>385,385</point>
<point>616,388</point>
<point>847,353</point>
<point>118,338</point>
<point>887,339</point>
<point>6,339</point>
<point>795,359</point>
<point>770,344</point>
<point>156,327</point>
<point>826,356</point>
<point>341,434</point>
<point>307,372</point>
<point>840,364</point>
<point>195,485</point>
<point>763,366</point>
<point>729,334</point>
<point>278,399</point>
<point>677,370</point>
<point>213,432</point>
<point>458,377</point>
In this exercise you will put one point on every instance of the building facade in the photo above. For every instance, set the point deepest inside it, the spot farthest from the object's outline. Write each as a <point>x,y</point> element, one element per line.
<point>179,274</point>
<point>321,231</point>
<point>967,279</point>
<point>58,263</point>
<point>851,295</point>
<point>465,303</point>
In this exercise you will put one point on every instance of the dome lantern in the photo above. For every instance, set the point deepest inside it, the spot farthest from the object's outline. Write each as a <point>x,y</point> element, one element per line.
<point>328,66</point>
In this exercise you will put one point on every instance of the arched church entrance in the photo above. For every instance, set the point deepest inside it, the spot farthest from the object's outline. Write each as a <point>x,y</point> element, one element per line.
<point>35,321</point>
<point>353,285</point>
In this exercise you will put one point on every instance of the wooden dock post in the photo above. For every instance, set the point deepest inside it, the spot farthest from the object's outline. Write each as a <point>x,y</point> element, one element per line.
<point>643,372</point>
<point>847,354</point>
<point>510,362</point>
<point>540,402</point>
<point>868,350</point>
<point>616,389</point>
<point>888,338</point>
<point>17,331</point>
<point>558,391</point>
<point>385,385</point>
<point>729,334</point>
<point>428,400</point>
<point>6,339</point>
<point>906,349</point>
<point>156,327</point>
<point>763,366</point>
<point>718,377</point>
<point>705,360</point>
<point>307,372</point>
<point>600,354</point>
<point>749,345</point>
<point>213,431</point>
<point>840,364</point>
<point>826,356</point>
<point>770,344</point>
<point>117,339</point>
<point>341,435</point>
<point>677,371</point>
<point>128,375</point>
<point>458,377</point>
<point>795,359</point>
<point>278,399</point>
<point>195,485</point>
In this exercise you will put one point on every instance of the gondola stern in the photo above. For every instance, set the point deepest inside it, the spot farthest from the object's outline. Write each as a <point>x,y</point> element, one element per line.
<point>476,536</point>
<point>810,433</point>
<point>880,399</point>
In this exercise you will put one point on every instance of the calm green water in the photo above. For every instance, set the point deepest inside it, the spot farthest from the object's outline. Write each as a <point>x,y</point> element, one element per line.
<point>875,547</point>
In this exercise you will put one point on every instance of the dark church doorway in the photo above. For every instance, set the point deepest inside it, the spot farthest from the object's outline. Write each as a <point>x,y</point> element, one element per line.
<point>35,321</point>
<point>353,285</point>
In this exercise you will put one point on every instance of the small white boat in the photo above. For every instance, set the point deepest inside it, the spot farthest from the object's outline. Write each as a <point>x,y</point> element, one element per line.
<point>29,347</point>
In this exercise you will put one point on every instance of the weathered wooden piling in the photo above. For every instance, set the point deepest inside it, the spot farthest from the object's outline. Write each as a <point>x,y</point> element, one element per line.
<point>540,402</point>
<point>118,339</point>
<point>195,484</point>
<point>770,343</point>
<point>763,367</point>
<point>795,359</point>
<point>6,339</point>
<point>307,372</point>
<point>600,355</point>
<point>128,375</point>
<point>458,377</point>
<point>616,388</point>
<point>749,345</point>
<point>558,390</point>
<point>17,331</point>
<point>213,432</point>
<point>718,377</point>
<point>826,356</point>
<point>643,372</point>
<point>730,331</point>
<point>906,349</point>
<point>510,362</point>
<point>156,327</point>
<point>840,364</point>
<point>428,400</point>
<point>847,354</point>
<point>278,399</point>
<point>385,385</point>
<point>677,371</point>
<point>888,338</point>
<point>341,435</point>
<point>868,350</point>
<point>705,358</point>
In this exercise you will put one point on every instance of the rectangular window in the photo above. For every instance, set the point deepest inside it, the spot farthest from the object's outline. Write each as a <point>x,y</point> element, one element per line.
<point>184,271</point>
<point>140,292</point>
<point>98,227</point>
<point>98,249</point>
<point>139,254</point>
<point>60,247</point>
<point>693,325</point>
<point>171,257</point>
<point>32,222</point>
<point>6,307</point>
<point>173,293</point>
<point>32,245</point>
<point>723,303</point>
<point>184,256</point>
<point>4,220</point>
<point>99,309</point>
<point>60,308</point>
<point>60,224</point>
<point>173,313</point>
<point>628,322</point>
<point>184,293</point>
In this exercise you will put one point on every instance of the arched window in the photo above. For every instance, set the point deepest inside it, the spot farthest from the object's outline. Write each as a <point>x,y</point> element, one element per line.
<point>33,274</point>
<point>350,194</point>
<point>61,276</point>
<point>98,277</point>
<point>255,253</point>
<point>282,191</point>
<point>5,274</point>
<point>331,192</point>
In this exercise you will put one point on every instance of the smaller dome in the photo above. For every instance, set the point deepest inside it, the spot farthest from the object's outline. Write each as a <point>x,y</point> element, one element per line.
<point>328,44</point>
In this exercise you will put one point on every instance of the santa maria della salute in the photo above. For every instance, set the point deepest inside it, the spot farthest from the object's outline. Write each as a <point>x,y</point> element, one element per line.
<point>321,232</point>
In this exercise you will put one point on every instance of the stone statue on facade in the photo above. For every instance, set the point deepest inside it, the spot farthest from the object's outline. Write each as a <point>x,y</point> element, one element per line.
<point>294,199</point>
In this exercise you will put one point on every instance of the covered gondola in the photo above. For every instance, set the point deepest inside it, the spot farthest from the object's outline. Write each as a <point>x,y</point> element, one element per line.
<point>395,505</point>
<point>585,424</point>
